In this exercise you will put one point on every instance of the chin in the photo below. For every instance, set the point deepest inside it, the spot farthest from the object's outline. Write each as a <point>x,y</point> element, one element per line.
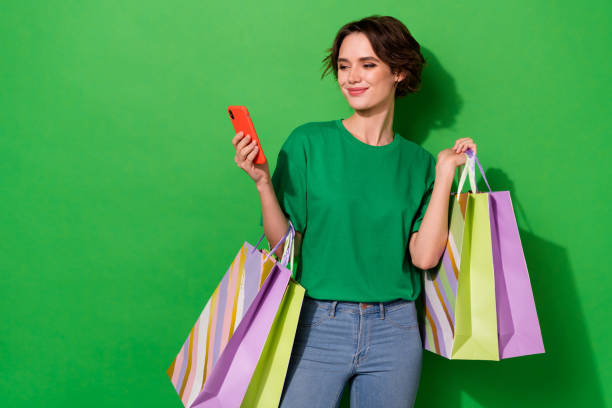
<point>361,105</point>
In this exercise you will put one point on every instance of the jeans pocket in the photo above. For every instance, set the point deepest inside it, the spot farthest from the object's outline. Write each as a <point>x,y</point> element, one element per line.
<point>403,316</point>
<point>313,314</point>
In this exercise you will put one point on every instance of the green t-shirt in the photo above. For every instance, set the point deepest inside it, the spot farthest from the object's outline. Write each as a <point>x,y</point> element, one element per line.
<point>356,206</point>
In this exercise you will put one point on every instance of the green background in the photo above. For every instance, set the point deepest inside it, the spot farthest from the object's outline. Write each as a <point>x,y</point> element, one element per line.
<point>122,206</point>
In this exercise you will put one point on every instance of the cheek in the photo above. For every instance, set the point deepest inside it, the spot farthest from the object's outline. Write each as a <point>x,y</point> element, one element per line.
<point>378,78</point>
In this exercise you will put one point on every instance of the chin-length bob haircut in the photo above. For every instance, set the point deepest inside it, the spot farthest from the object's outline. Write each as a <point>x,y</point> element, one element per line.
<point>392,43</point>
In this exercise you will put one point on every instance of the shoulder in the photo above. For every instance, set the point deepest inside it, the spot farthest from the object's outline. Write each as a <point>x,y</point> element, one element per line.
<point>311,129</point>
<point>421,163</point>
<point>418,153</point>
<point>308,133</point>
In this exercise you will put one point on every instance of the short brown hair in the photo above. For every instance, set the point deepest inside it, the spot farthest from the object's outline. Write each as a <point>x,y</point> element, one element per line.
<point>392,42</point>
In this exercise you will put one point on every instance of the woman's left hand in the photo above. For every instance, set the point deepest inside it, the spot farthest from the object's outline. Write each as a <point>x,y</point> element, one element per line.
<point>455,156</point>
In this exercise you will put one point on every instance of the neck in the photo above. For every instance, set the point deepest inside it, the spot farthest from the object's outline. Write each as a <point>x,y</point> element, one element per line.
<point>373,126</point>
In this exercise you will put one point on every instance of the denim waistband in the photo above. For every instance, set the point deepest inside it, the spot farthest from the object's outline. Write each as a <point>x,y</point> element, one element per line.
<point>358,307</point>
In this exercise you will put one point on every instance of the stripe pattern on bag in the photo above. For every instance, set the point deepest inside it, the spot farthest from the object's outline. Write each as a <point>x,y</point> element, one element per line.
<point>217,322</point>
<point>440,287</point>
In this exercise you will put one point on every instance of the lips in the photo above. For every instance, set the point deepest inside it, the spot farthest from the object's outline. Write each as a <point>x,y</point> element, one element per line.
<point>357,91</point>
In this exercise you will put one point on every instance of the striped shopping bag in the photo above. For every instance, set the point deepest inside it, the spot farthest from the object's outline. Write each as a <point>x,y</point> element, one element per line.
<point>236,318</point>
<point>478,302</point>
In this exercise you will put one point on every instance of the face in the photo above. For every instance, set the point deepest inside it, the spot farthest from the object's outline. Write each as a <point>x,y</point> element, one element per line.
<point>359,67</point>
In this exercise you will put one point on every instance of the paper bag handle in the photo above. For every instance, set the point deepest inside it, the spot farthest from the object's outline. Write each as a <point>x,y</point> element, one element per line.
<point>468,169</point>
<point>288,251</point>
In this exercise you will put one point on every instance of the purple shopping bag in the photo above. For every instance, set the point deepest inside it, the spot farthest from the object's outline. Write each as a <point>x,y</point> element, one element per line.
<point>229,380</point>
<point>518,328</point>
<point>215,366</point>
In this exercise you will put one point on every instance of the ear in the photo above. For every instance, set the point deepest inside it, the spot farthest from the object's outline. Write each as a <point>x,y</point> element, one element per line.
<point>399,77</point>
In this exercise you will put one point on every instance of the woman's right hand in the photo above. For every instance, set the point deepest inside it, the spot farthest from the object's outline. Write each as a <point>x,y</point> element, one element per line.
<point>246,150</point>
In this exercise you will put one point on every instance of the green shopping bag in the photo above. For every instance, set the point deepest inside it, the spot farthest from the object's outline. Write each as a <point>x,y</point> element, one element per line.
<point>476,316</point>
<point>267,382</point>
<point>460,315</point>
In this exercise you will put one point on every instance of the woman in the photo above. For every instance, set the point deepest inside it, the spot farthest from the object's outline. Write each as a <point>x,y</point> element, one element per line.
<point>370,211</point>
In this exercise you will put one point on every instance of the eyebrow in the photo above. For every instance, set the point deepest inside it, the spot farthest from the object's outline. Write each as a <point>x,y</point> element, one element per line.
<point>360,59</point>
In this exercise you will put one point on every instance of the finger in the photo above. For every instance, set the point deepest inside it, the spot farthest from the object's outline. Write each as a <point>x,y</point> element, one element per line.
<point>462,148</point>
<point>245,141</point>
<point>469,146</point>
<point>251,156</point>
<point>457,147</point>
<point>246,150</point>
<point>458,144</point>
<point>248,160</point>
<point>237,137</point>
<point>464,140</point>
<point>241,153</point>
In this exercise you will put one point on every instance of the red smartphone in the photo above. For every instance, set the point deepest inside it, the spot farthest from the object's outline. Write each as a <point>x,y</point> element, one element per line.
<point>242,123</point>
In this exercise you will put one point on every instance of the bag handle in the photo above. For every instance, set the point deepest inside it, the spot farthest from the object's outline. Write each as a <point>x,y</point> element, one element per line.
<point>469,169</point>
<point>288,250</point>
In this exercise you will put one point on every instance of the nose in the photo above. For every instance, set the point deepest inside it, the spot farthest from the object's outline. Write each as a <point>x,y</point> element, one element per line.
<point>353,75</point>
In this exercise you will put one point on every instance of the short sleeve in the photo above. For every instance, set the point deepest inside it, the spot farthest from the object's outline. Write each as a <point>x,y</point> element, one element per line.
<point>289,180</point>
<point>430,178</point>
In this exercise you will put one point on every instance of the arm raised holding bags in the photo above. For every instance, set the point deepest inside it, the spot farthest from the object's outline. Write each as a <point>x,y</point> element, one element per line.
<point>427,244</point>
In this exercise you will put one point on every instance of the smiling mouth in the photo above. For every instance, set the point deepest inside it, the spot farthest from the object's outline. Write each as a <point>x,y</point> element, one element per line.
<point>357,91</point>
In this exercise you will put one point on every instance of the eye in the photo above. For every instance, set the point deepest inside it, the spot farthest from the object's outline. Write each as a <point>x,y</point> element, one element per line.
<point>365,65</point>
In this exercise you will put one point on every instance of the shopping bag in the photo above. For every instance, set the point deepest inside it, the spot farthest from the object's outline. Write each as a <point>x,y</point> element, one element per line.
<point>478,302</point>
<point>220,354</point>
<point>460,314</point>
<point>266,386</point>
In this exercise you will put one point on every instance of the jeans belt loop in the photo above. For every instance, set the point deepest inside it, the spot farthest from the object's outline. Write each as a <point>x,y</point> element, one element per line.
<point>332,312</point>
<point>382,311</point>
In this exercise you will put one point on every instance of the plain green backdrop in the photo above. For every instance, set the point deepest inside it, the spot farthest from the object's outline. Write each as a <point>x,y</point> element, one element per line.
<point>121,205</point>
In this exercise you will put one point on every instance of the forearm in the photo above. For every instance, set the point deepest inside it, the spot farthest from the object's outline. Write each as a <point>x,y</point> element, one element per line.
<point>430,241</point>
<point>275,223</point>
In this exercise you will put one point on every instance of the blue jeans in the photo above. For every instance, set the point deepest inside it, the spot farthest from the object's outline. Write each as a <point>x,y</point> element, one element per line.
<point>375,346</point>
